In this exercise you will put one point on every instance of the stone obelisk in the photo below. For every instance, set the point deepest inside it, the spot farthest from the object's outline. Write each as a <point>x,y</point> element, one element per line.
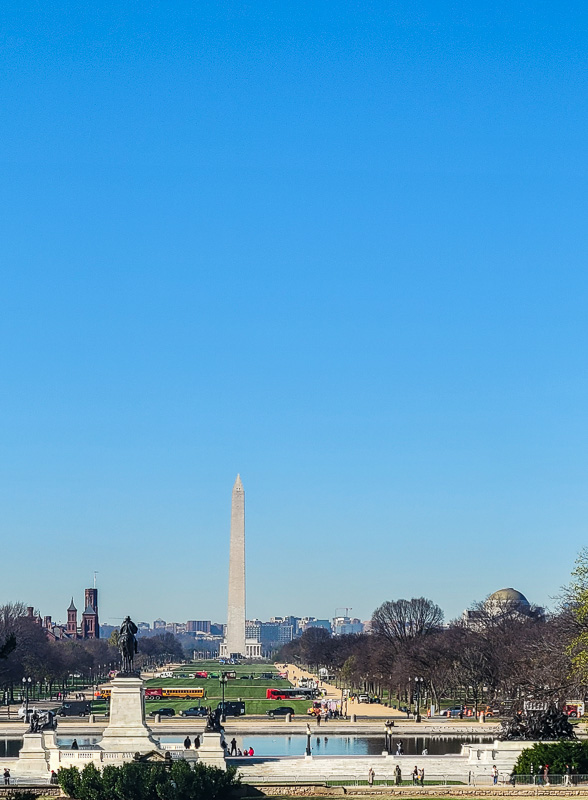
<point>235,638</point>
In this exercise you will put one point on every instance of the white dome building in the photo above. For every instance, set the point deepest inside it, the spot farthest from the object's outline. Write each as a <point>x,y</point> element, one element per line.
<point>503,604</point>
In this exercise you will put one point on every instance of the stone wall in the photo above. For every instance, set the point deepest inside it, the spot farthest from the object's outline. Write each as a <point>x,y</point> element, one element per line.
<point>39,791</point>
<point>413,791</point>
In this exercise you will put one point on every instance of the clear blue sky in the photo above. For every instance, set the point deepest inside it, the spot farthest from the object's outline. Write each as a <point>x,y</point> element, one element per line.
<point>338,247</point>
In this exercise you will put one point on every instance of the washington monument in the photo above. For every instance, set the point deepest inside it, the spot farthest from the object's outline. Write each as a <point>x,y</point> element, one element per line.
<point>235,636</point>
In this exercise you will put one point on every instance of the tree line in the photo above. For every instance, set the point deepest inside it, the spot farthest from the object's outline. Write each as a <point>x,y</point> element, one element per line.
<point>54,666</point>
<point>500,654</point>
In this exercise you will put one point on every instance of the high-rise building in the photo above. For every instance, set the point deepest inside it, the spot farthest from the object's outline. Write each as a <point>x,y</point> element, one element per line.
<point>198,626</point>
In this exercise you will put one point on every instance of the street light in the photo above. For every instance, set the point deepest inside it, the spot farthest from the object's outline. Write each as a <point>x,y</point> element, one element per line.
<point>223,682</point>
<point>26,683</point>
<point>418,686</point>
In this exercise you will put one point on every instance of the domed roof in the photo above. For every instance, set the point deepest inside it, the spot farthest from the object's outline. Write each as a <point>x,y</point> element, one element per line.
<point>508,596</point>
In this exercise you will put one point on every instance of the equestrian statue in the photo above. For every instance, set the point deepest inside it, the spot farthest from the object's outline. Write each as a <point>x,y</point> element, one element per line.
<point>127,645</point>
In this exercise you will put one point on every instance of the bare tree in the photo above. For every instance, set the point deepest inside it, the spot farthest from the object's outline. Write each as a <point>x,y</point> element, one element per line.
<point>399,621</point>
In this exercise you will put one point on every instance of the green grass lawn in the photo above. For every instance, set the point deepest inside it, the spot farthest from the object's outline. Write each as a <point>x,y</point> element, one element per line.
<point>250,689</point>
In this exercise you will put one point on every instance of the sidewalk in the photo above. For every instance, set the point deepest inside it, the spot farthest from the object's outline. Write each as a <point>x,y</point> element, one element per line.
<point>353,706</point>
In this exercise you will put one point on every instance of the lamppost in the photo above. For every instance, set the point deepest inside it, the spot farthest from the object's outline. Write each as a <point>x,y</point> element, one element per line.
<point>223,682</point>
<point>418,687</point>
<point>26,683</point>
<point>410,697</point>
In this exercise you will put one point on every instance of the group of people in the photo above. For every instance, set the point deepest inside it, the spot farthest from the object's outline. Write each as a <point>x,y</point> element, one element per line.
<point>233,750</point>
<point>325,714</point>
<point>418,776</point>
<point>188,742</point>
<point>236,751</point>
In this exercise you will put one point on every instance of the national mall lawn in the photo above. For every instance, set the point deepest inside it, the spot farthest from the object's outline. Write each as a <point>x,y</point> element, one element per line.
<point>247,686</point>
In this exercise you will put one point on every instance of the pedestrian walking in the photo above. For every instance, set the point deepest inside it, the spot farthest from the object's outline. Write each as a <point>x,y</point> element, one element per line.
<point>422,776</point>
<point>397,775</point>
<point>233,746</point>
<point>415,775</point>
<point>494,773</point>
<point>196,742</point>
<point>567,776</point>
<point>187,743</point>
<point>546,774</point>
<point>6,776</point>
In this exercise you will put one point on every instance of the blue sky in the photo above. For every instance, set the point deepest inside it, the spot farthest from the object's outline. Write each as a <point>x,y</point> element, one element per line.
<point>339,248</point>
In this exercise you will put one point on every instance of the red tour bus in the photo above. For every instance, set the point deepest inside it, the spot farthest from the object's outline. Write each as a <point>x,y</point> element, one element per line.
<point>290,694</point>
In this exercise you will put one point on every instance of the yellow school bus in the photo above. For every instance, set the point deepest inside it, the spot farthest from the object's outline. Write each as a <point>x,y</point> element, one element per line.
<point>183,692</point>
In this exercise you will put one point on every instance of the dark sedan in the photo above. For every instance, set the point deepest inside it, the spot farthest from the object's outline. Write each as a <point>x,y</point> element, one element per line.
<point>280,711</point>
<point>163,712</point>
<point>195,711</point>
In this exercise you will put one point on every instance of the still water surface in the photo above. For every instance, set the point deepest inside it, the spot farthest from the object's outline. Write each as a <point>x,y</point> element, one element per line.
<point>337,745</point>
<point>295,744</point>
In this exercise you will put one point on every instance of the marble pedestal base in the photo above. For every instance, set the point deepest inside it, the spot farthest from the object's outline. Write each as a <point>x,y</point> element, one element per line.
<point>211,751</point>
<point>33,757</point>
<point>126,730</point>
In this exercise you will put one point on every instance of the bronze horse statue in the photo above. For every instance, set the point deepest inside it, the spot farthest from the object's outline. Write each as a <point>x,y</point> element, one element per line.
<point>127,644</point>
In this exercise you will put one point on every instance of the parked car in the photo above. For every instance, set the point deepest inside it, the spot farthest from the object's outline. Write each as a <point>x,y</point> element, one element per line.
<point>454,711</point>
<point>364,698</point>
<point>280,711</point>
<point>233,708</point>
<point>163,712</point>
<point>195,711</point>
<point>74,709</point>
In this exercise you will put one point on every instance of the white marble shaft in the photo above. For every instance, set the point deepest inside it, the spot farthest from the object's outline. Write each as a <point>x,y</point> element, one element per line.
<point>235,637</point>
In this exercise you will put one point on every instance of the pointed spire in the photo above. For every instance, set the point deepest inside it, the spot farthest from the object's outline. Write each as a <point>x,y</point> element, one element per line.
<point>72,606</point>
<point>238,485</point>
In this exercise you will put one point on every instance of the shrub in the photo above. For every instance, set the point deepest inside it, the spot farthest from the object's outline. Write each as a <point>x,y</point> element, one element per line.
<point>136,781</point>
<point>69,780</point>
<point>91,784</point>
<point>556,754</point>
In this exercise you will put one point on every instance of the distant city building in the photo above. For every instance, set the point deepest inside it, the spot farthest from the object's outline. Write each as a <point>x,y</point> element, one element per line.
<point>343,626</point>
<point>89,627</point>
<point>198,626</point>
<point>503,604</point>
<point>311,622</point>
<point>158,624</point>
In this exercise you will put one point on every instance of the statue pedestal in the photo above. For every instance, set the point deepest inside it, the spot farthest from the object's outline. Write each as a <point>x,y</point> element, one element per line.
<point>210,751</point>
<point>126,730</point>
<point>33,758</point>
